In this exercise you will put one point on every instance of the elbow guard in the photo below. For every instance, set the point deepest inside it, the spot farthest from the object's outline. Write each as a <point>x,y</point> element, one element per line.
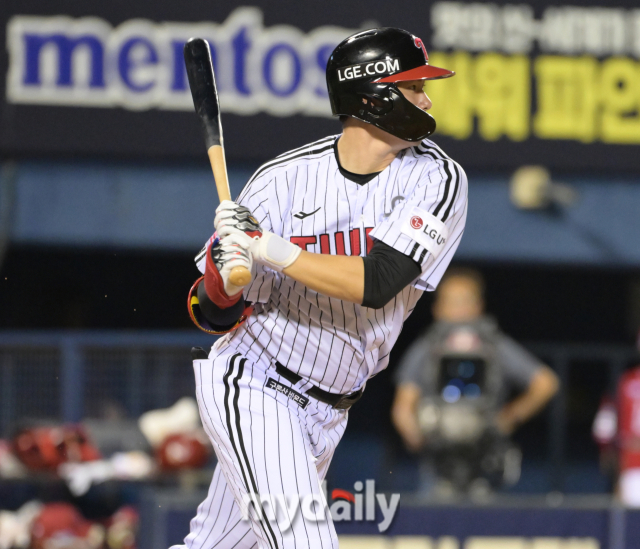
<point>386,272</point>
<point>377,302</point>
<point>210,318</point>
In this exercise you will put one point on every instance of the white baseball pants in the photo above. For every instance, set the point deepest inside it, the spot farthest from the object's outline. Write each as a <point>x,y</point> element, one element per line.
<point>271,445</point>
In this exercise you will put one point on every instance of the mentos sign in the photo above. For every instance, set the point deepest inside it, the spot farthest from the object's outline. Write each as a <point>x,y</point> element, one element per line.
<point>139,65</point>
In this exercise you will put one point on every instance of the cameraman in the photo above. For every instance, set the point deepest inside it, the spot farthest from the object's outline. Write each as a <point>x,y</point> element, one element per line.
<point>459,304</point>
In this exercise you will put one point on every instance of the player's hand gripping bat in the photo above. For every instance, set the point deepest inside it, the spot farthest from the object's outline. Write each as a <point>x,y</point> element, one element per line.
<point>197,58</point>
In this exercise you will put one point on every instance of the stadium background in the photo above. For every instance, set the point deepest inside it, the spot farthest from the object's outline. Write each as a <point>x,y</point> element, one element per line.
<point>106,195</point>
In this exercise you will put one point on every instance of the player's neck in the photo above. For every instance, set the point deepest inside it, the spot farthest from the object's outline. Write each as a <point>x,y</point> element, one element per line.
<point>364,149</point>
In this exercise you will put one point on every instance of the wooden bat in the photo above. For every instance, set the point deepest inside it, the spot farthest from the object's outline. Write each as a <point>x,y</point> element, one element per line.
<point>197,58</point>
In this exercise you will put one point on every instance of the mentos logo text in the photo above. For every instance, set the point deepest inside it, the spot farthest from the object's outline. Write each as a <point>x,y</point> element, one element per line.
<point>139,65</point>
<point>385,66</point>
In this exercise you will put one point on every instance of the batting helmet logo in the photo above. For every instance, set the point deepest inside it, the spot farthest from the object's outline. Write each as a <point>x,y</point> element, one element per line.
<point>420,44</point>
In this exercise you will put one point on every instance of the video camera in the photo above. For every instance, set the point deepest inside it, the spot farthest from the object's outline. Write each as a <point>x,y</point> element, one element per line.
<point>457,414</point>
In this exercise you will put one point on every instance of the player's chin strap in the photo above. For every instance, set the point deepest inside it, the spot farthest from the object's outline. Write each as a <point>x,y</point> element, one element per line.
<point>198,318</point>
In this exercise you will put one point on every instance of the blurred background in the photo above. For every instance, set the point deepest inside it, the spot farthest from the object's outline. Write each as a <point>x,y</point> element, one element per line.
<point>106,196</point>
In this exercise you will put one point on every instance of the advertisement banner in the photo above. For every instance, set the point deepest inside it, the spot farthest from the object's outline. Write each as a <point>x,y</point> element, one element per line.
<point>536,82</point>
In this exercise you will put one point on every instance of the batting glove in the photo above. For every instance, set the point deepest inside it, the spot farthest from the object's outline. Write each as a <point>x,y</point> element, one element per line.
<point>229,254</point>
<point>231,218</point>
<point>266,248</point>
<point>226,254</point>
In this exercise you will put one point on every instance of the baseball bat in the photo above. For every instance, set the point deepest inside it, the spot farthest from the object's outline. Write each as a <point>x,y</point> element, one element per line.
<point>197,58</point>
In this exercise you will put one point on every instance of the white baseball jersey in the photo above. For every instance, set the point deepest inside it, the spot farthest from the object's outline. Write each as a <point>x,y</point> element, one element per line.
<point>271,438</point>
<point>417,205</point>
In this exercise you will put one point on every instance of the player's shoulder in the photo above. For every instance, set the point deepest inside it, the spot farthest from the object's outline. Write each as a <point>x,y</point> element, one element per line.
<point>439,167</point>
<point>309,149</point>
<point>428,151</point>
<point>309,153</point>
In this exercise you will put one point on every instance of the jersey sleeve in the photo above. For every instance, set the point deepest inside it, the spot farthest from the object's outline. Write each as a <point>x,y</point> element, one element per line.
<point>255,197</point>
<point>430,222</point>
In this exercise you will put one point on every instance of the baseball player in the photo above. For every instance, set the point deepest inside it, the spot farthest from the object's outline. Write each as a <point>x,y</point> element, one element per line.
<point>342,236</point>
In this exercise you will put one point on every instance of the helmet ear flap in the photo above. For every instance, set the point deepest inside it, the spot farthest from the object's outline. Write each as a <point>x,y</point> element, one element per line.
<point>375,105</point>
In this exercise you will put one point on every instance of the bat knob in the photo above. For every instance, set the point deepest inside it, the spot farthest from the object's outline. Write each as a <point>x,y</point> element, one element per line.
<point>240,276</point>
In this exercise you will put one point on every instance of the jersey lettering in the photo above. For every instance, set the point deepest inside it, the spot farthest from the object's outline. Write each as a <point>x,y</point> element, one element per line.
<point>325,247</point>
<point>355,241</point>
<point>325,242</point>
<point>303,241</point>
<point>369,239</point>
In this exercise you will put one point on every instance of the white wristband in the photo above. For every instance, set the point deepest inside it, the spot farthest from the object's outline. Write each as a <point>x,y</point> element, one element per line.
<point>274,251</point>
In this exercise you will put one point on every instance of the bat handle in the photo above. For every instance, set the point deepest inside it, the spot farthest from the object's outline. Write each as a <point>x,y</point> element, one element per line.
<point>240,276</point>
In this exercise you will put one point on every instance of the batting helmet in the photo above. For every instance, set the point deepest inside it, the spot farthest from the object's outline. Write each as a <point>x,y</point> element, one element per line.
<point>362,73</point>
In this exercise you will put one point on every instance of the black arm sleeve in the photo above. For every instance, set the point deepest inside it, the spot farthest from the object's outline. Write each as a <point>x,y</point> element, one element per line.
<point>220,319</point>
<point>386,272</point>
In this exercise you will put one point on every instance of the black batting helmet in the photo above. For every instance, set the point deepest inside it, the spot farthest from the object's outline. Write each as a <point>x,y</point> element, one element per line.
<point>362,73</point>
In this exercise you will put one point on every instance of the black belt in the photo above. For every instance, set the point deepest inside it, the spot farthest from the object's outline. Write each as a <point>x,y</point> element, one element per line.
<point>340,402</point>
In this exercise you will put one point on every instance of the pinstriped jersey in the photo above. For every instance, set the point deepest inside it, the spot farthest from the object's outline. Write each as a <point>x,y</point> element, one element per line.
<point>417,205</point>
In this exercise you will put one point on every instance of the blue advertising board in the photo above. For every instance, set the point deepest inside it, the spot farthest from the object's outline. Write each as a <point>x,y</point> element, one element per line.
<point>536,82</point>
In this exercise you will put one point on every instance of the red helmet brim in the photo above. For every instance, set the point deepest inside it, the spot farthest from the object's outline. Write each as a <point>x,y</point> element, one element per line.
<point>424,72</point>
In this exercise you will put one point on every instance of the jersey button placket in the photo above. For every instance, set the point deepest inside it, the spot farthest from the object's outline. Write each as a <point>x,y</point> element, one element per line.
<point>358,219</point>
